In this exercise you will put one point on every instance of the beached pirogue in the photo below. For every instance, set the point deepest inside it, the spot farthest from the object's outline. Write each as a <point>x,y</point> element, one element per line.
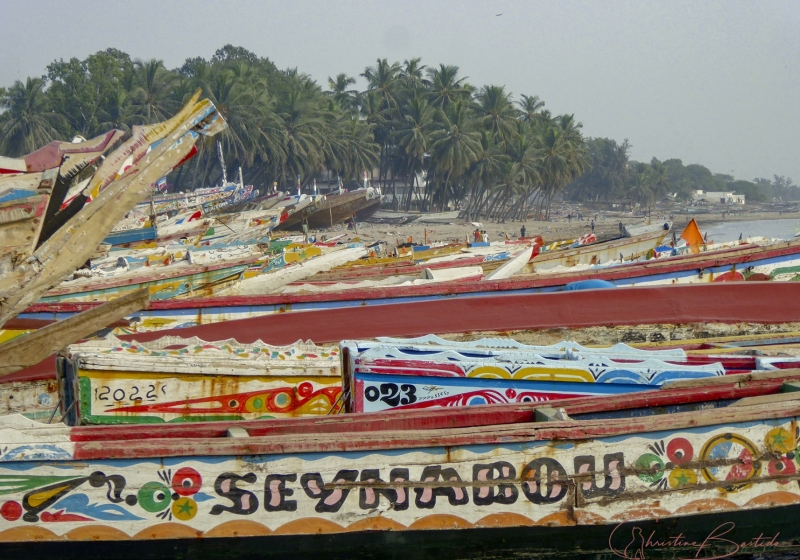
<point>696,469</point>
<point>703,466</point>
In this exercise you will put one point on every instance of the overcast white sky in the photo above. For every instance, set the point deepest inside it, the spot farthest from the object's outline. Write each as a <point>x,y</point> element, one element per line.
<point>716,83</point>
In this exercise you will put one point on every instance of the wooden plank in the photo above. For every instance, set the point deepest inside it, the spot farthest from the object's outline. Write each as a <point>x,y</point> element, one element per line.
<point>439,419</point>
<point>390,440</point>
<point>73,243</point>
<point>767,399</point>
<point>32,348</point>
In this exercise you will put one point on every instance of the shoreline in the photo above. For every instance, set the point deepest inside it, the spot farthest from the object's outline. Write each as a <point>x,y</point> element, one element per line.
<point>557,229</point>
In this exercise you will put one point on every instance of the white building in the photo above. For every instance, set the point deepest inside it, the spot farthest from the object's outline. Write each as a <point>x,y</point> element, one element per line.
<point>719,197</point>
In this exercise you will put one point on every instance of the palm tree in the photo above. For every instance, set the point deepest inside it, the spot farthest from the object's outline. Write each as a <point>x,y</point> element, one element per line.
<point>562,157</point>
<point>456,145</point>
<point>660,175</point>
<point>497,112</point>
<point>383,78</point>
<point>152,90</point>
<point>302,128</point>
<point>489,166</point>
<point>530,107</point>
<point>116,111</point>
<point>445,87</point>
<point>641,186</point>
<point>412,77</point>
<point>413,136</point>
<point>30,123</point>
<point>346,98</point>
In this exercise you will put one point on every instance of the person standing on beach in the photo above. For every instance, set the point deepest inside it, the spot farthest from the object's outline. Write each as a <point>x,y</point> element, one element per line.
<point>522,231</point>
<point>569,218</point>
<point>485,237</point>
<point>592,226</point>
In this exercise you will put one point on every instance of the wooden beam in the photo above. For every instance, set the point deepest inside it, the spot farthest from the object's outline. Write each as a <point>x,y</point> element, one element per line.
<point>33,347</point>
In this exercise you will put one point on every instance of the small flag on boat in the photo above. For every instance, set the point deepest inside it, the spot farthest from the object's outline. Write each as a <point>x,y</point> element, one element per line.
<point>692,236</point>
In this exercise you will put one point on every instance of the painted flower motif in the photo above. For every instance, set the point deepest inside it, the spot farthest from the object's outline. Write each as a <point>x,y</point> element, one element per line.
<point>174,500</point>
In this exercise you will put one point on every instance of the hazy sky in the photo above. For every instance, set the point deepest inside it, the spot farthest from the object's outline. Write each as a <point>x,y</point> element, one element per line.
<point>716,83</point>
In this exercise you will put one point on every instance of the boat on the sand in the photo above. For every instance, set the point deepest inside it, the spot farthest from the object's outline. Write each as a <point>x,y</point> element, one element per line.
<point>704,466</point>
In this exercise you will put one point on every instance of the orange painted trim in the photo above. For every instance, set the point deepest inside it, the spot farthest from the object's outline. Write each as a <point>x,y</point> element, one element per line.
<point>96,533</point>
<point>309,526</point>
<point>770,499</point>
<point>504,520</point>
<point>708,505</point>
<point>441,521</point>
<point>167,531</point>
<point>28,533</point>
<point>238,528</point>
<point>375,524</point>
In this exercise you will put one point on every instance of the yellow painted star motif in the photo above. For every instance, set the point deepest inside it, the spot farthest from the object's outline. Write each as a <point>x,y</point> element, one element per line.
<point>682,477</point>
<point>184,509</point>
<point>779,440</point>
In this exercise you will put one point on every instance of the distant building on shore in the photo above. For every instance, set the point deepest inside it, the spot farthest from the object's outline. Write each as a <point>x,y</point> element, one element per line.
<point>718,197</point>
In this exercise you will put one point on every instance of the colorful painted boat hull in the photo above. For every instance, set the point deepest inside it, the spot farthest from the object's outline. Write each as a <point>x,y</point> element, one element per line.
<point>190,380</point>
<point>603,488</point>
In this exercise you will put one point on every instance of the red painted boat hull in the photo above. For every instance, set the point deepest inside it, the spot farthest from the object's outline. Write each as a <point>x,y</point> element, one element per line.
<point>734,302</point>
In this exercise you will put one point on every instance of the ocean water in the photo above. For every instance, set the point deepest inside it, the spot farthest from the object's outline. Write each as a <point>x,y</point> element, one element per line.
<point>778,228</point>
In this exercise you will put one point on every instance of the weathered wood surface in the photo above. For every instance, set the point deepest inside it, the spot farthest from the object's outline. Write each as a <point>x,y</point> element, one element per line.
<point>566,475</point>
<point>34,399</point>
<point>20,223</point>
<point>29,349</point>
<point>72,244</point>
<point>179,279</point>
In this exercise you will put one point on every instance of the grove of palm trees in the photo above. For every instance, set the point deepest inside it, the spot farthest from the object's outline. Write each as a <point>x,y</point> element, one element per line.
<point>431,139</point>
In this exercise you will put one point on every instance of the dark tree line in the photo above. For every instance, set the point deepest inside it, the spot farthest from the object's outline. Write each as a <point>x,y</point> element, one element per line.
<point>613,176</point>
<point>426,135</point>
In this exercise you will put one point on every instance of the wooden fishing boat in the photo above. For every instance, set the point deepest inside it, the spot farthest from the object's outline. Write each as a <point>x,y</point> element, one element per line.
<point>757,302</point>
<point>408,374</point>
<point>301,211</point>
<point>369,210</point>
<point>601,252</point>
<point>275,279</point>
<point>178,279</point>
<point>391,217</point>
<point>85,226</point>
<point>21,221</point>
<point>702,469</point>
<point>190,380</point>
<point>339,207</point>
<point>426,277</point>
<point>30,200</point>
